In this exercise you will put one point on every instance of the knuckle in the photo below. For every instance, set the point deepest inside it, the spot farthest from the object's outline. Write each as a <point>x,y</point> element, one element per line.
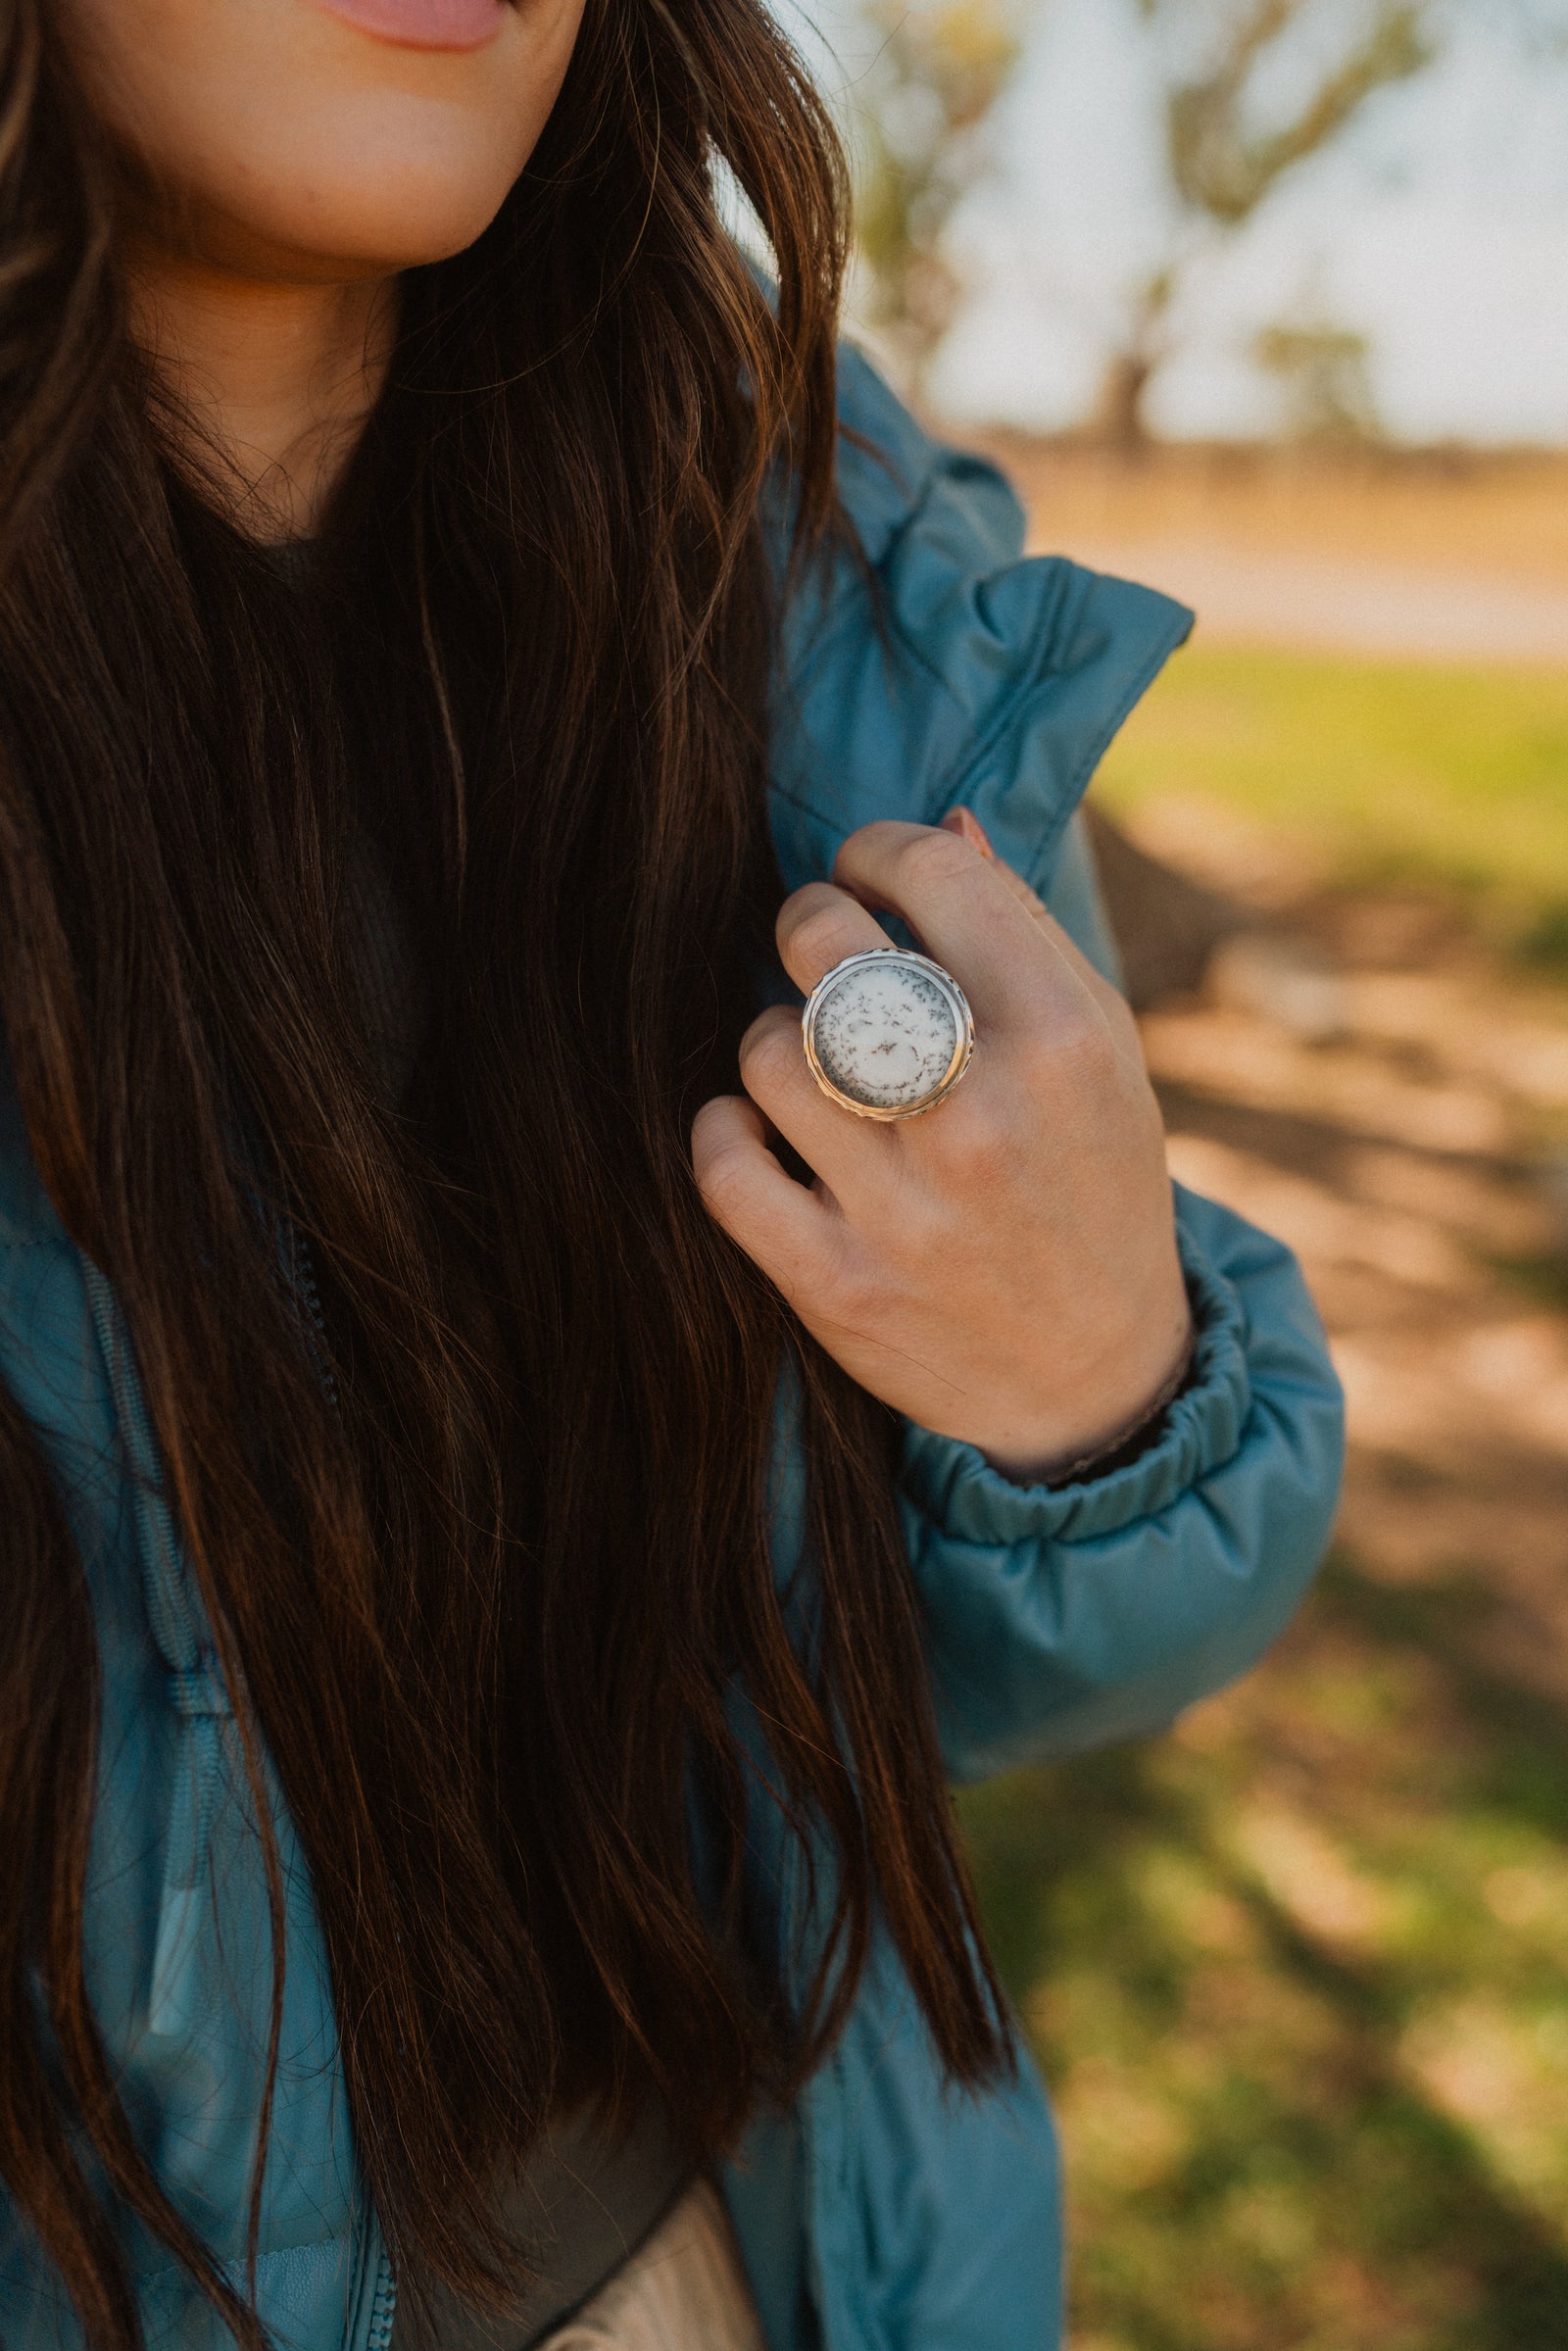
<point>807,899</point>
<point>875,839</point>
<point>850,1292</point>
<point>928,859</point>
<point>724,1177</point>
<point>823,937</point>
<point>1035,1061</point>
<point>1074,1052</point>
<point>983,1153</point>
<point>1085,1047</point>
<point>920,1235</point>
<point>769,1055</point>
<point>712,1119</point>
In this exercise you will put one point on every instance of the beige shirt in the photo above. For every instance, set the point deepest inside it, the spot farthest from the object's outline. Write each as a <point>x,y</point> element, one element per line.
<point>684,2291</point>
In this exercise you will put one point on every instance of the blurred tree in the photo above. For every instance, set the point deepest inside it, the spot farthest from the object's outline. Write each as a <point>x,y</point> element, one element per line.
<point>1251,90</point>
<point>939,68</point>
<point>1227,149</point>
<point>1323,371</point>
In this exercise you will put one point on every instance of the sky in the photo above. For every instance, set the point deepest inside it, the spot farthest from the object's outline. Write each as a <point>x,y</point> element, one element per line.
<point>1438,227</point>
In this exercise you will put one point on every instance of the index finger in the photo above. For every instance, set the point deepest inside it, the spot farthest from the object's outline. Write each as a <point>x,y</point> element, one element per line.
<point>1106,994</point>
<point>965,915</point>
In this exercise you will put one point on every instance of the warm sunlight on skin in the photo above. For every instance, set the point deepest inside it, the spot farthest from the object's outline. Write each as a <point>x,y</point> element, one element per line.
<point>285,161</point>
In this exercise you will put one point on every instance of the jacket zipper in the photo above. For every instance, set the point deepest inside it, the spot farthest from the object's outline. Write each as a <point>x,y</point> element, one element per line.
<point>384,2301</point>
<point>194,1685</point>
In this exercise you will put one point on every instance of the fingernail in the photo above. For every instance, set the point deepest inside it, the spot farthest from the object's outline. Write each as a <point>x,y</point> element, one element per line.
<point>967,825</point>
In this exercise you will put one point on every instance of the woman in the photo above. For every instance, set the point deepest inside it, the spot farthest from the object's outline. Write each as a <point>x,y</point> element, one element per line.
<point>515,1498</point>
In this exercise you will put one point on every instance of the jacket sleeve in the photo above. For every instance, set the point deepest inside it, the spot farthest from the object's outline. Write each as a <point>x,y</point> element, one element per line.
<point>1065,1618</point>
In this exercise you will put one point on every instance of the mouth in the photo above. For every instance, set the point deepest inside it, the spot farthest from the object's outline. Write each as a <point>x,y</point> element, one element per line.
<point>423,24</point>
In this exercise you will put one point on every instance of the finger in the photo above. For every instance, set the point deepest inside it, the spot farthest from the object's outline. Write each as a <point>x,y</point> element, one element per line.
<point>820,925</point>
<point>969,913</point>
<point>1110,998</point>
<point>777,1222</point>
<point>817,927</point>
<point>844,1151</point>
<point>968,827</point>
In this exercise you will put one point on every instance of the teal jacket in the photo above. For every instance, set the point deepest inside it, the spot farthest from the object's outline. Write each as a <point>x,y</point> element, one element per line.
<point>932,666</point>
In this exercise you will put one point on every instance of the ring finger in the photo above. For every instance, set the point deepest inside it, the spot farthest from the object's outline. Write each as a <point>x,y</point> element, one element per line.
<point>817,927</point>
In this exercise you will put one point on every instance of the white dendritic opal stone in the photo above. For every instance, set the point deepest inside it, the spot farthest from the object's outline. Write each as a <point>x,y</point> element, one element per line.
<point>885,1035</point>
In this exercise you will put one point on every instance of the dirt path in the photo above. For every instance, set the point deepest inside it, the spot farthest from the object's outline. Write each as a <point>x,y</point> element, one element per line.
<point>1251,596</point>
<point>1463,560</point>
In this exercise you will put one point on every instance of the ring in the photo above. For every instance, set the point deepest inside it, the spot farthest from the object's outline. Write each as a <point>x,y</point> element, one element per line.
<point>888,1034</point>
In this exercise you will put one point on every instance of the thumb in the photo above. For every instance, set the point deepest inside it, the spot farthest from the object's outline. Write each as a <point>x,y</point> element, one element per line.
<point>968,827</point>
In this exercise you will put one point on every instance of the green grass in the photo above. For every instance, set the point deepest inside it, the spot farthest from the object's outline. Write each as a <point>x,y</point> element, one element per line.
<point>1391,770</point>
<point>1296,1975</point>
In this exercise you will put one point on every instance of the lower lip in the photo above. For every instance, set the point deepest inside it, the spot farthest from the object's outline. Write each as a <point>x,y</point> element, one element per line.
<point>423,24</point>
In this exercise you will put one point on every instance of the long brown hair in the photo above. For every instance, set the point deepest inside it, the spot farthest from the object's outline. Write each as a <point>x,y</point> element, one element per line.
<point>501,1605</point>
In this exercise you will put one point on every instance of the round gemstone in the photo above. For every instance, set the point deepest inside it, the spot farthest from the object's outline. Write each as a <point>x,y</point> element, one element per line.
<point>885,1033</point>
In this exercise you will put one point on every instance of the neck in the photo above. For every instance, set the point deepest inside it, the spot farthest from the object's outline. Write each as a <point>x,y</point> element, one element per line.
<point>274,379</point>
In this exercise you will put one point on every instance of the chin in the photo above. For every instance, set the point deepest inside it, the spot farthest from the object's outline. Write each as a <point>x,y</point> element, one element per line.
<point>276,138</point>
<point>366,223</point>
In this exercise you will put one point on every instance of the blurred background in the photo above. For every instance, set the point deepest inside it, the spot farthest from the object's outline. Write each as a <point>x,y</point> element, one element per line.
<point>1266,302</point>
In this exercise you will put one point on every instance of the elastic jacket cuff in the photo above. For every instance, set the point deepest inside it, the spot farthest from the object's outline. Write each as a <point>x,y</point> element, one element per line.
<point>952,1485</point>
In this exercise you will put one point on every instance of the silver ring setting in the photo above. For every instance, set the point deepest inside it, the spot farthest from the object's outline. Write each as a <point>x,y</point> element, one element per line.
<point>888,1033</point>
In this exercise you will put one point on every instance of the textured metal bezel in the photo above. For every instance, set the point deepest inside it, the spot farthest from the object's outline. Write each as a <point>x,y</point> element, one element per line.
<point>962,1021</point>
